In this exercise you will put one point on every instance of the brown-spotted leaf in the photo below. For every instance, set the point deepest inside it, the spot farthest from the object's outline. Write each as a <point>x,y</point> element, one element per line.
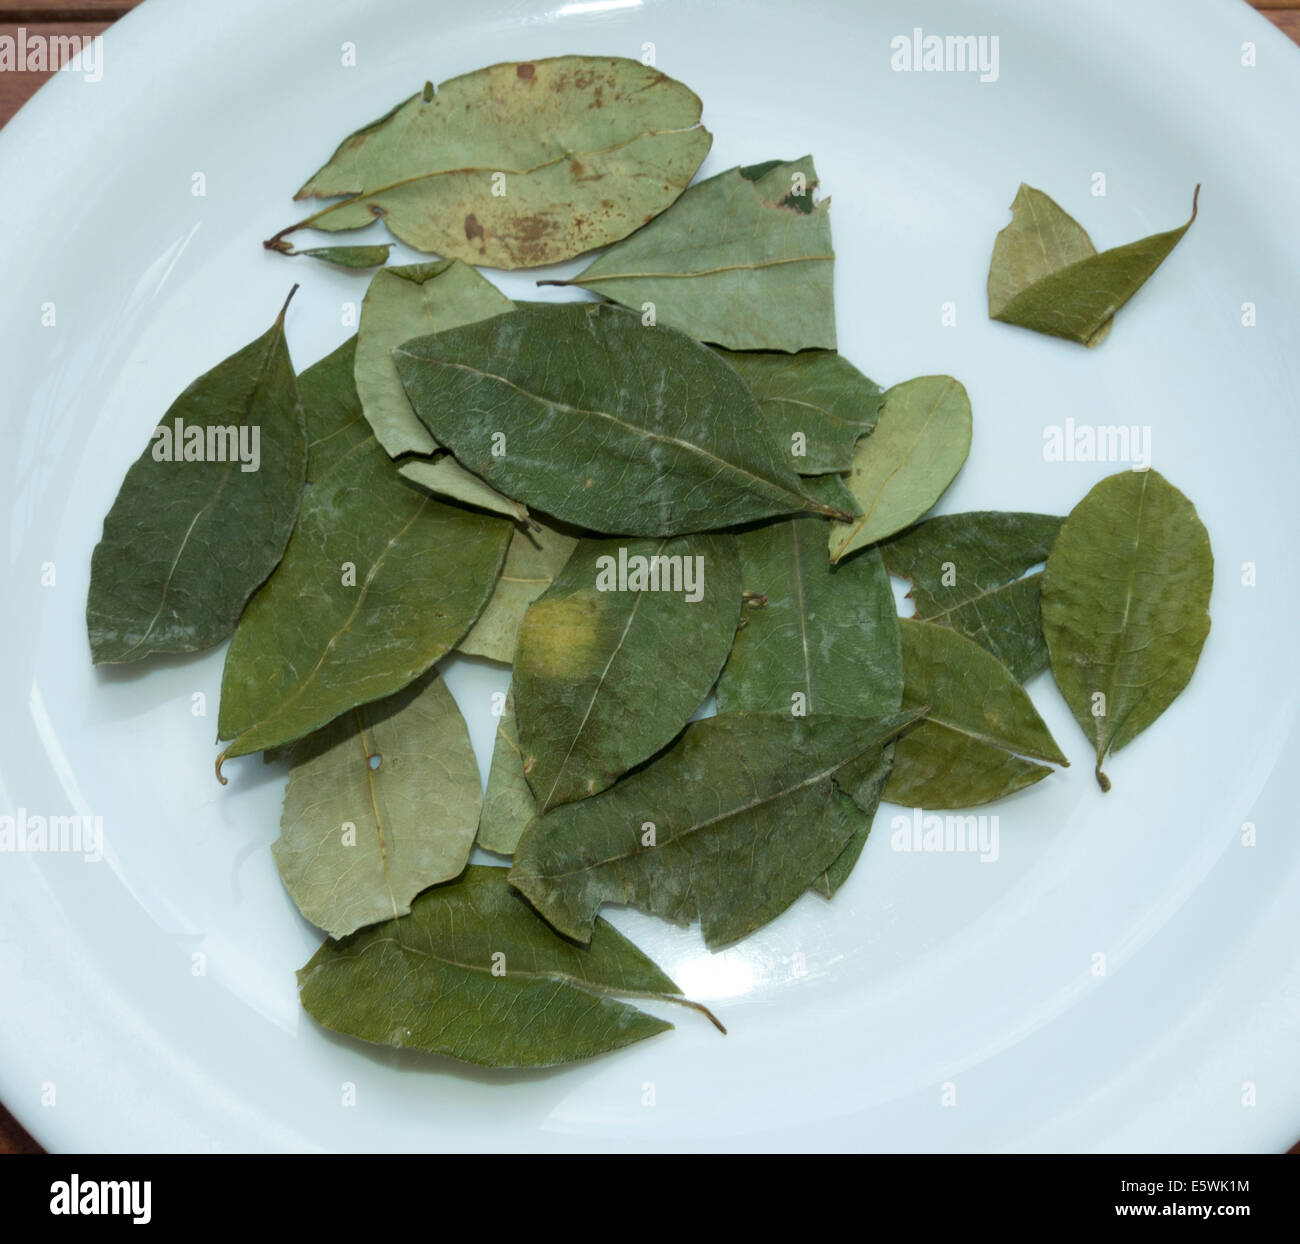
<point>518,164</point>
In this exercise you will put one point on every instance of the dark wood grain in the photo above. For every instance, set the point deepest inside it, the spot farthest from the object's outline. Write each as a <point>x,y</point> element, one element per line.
<point>1286,20</point>
<point>91,17</point>
<point>12,1137</point>
<point>17,88</point>
<point>66,10</point>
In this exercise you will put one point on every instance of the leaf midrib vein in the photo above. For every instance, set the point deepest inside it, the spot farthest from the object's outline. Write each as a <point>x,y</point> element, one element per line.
<point>351,197</point>
<point>640,432</point>
<point>898,466</point>
<point>207,505</point>
<point>721,816</point>
<point>287,703</point>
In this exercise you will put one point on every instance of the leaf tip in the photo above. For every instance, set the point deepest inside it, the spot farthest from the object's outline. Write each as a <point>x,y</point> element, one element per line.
<point>279,319</point>
<point>1102,780</point>
<point>221,777</point>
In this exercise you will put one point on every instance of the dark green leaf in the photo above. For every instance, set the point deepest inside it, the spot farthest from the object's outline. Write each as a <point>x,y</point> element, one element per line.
<point>965,571</point>
<point>1126,597</point>
<point>518,165</point>
<point>606,672</point>
<point>981,723</point>
<point>730,826</point>
<point>921,439</point>
<point>381,804</point>
<point>859,811</point>
<point>580,411</point>
<point>1046,274</point>
<point>331,409</point>
<point>379,581</point>
<point>825,640</point>
<point>743,260</point>
<point>816,639</point>
<point>473,974</point>
<point>817,403</point>
<point>189,538</point>
<point>349,256</point>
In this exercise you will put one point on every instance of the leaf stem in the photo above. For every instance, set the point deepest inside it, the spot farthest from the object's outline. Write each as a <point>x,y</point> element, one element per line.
<point>1102,780</point>
<point>680,999</point>
<point>840,516</point>
<point>703,1010</point>
<point>278,243</point>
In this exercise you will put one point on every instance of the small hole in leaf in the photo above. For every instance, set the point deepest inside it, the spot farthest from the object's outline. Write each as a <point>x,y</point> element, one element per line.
<point>375,761</point>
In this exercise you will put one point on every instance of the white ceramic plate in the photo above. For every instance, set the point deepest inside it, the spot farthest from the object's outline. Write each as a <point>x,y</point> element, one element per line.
<point>940,1002</point>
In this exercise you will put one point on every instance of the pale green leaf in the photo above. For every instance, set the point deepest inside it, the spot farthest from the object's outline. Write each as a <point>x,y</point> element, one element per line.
<point>381,804</point>
<point>442,476</point>
<point>921,439</point>
<point>743,260</point>
<point>536,555</point>
<point>355,257</point>
<point>508,803</point>
<point>402,303</point>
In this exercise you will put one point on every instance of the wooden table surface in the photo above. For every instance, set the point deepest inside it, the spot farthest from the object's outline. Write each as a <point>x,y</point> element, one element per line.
<point>92,17</point>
